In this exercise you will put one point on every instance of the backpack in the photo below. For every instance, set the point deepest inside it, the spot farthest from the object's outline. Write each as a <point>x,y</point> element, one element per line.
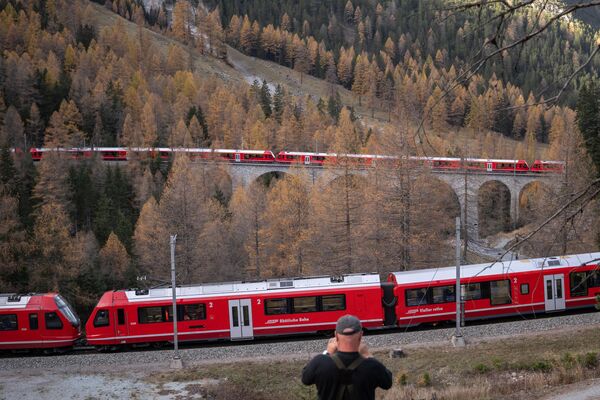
<point>346,389</point>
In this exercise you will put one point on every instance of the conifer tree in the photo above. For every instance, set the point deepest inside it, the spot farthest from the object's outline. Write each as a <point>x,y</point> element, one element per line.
<point>151,241</point>
<point>113,262</point>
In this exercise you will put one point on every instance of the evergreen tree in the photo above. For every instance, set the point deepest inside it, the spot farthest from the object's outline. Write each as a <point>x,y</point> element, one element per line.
<point>588,120</point>
<point>265,99</point>
<point>278,102</point>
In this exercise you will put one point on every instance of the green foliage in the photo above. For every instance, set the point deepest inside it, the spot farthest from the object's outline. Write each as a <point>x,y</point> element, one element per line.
<point>403,381</point>
<point>425,380</point>
<point>588,120</point>
<point>334,106</point>
<point>482,368</point>
<point>115,211</point>
<point>588,360</point>
<point>265,99</point>
<point>85,34</point>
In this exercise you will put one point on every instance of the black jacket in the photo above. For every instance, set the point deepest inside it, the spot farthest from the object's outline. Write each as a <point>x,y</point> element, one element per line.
<point>368,376</point>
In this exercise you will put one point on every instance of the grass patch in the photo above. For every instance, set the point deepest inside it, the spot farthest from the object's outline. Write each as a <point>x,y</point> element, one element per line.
<point>498,369</point>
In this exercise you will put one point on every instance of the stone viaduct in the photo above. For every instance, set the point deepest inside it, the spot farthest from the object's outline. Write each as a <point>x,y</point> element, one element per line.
<point>244,174</point>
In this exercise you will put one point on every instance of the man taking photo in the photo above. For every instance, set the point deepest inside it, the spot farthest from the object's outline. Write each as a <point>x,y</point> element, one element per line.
<point>346,370</point>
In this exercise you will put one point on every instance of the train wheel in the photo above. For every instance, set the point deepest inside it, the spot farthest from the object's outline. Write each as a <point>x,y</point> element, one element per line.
<point>158,345</point>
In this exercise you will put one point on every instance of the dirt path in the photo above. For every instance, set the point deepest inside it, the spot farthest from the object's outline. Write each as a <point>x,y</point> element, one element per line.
<point>589,390</point>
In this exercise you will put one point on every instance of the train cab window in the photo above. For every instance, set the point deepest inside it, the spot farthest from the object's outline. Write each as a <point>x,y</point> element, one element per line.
<point>579,284</point>
<point>500,292</point>
<point>33,321</point>
<point>101,319</point>
<point>53,321</point>
<point>8,322</point>
<point>524,288</point>
<point>304,304</point>
<point>471,291</point>
<point>443,294</point>
<point>191,312</point>
<point>416,297</point>
<point>276,306</point>
<point>333,302</point>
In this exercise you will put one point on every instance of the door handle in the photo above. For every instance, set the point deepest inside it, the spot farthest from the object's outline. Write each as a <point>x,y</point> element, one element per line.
<point>196,326</point>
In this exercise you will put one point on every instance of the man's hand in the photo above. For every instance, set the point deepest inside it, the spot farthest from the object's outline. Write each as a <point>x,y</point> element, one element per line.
<point>332,345</point>
<point>363,350</point>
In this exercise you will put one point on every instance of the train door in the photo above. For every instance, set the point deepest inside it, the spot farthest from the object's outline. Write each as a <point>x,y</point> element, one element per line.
<point>237,157</point>
<point>489,167</point>
<point>121,322</point>
<point>240,319</point>
<point>554,292</point>
<point>306,160</point>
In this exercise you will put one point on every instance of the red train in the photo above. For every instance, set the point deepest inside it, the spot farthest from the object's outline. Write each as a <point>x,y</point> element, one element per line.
<point>245,310</point>
<point>37,321</point>
<point>306,158</point>
<point>237,311</point>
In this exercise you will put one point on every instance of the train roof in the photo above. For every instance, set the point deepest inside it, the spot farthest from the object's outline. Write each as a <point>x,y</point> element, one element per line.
<point>498,268</point>
<point>13,300</point>
<point>265,286</point>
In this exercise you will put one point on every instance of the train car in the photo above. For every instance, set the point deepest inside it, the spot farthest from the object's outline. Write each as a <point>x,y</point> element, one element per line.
<point>307,158</point>
<point>37,321</point>
<point>297,157</point>
<point>112,153</point>
<point>503,289</point>
<point>244,156</point>
<point>540,166</point>
<point>75,153</point>
<point>236,311</point>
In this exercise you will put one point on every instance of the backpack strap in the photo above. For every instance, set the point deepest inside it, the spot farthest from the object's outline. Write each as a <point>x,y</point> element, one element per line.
<point>346,385</point>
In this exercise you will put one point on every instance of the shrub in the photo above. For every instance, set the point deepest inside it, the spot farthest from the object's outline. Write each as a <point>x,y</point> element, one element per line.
<point>499,364</point>
<point>425,380</point>
<point>482,368</point>
<point>541,366</point>
<point>589,360</point>
<point>567,360</point>
<point>403,380</point>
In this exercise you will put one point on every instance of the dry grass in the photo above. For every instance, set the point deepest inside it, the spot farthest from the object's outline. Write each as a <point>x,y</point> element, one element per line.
<point>515,368</point>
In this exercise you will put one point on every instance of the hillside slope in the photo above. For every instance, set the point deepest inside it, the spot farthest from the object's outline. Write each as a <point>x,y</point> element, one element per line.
<point>243,68</point>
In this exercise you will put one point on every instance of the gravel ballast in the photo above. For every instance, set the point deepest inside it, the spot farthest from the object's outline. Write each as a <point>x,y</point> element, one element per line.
<point>298,348</point>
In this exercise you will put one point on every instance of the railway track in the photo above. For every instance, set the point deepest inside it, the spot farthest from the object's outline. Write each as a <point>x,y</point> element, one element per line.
<point>85,357</point>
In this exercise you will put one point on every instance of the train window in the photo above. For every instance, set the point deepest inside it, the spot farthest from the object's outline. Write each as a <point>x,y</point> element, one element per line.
<point>245,316</point>
<point>101,319</point>
<point>524,288</point>
<point>416,297</point>
<point>333,302</point>
<point>33,321</point>
<point>443,294</point>
<point>579,284</point>
<point>151,315</point>
<point>304,304</point>
<point>53,321</point>
<point>471,291</point>
<point>594,279</point>
<point>500,292</point>
<point>191,312</point>
<point>276,306</point>
<point>121,316</point>
<point>8,322</point>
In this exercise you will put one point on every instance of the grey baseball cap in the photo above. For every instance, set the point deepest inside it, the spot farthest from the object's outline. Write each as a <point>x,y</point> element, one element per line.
<point>348,325</point>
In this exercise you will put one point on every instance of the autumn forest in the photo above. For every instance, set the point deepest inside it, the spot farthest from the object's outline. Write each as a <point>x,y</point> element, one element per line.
<point>388,81</point>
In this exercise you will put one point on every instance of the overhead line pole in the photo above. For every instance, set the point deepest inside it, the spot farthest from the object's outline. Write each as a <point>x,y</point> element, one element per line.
<point>457,339</point>
<point>176,362</point>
